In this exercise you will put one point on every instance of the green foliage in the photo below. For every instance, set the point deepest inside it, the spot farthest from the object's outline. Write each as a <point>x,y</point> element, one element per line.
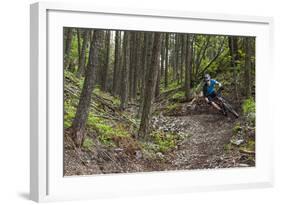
<point>173,106</point>
<point>228,147</point>
<point>171,86</point>
<point>106,134</point>
<point>93,120</point>
<point>163,141</point>
<point>237,128</point>
<point>178,95</point>
<point>77,81</point>
<point>106,140</point>
<point>249,146</point>
<point>249,106</point>
<point>69,113</point>
<point>249,109</point>
<point>108,96</point>
<point>105,131</point>
<point>88,143</point>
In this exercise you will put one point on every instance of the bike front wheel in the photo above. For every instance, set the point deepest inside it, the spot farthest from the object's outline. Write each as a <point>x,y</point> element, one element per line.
<point>228,107</point>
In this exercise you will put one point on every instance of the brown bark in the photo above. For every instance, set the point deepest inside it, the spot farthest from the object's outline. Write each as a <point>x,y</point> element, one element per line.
<point>177,53</point>
<point>188,66</point>
<point>143,70</point>
<point>147,59</point>
<point>161,68</point>
<point>233,52</point>
<point>166,60</point>
<point>137,64</point>
<point>67,50</point>
<point>116,71</point>
<point>132,62</point>
<point>105,69</point>
<point>150,86</point>
<point>82,58</point>
<point>183,56</point>
<point>247,69</point>
<point>125,69</point>
<point>79,43</point>
<point>80,119</point>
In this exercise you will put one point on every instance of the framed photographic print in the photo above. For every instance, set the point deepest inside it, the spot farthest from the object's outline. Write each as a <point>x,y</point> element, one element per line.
<point>127,102</point>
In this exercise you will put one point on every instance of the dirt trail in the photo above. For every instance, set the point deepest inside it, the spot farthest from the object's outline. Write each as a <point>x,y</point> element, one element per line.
<point>204,147</point>
<point>206,135</point>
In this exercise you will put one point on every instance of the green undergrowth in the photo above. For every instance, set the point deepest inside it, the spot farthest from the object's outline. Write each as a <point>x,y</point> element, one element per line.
<point>115,101</point>
<point>180,95</point>
<point>74,79</point>
<point>69,112</point>
<point>105,133</point>
<point>78,82</point>
<point>171,86</point>
<point>249,111</point>
<point>248,146</point>
<point>172,108</point>
<point>103,128</point>
<point>165,141</point>
<point>160,141</point>
<point>244,131</point>
<point>106,130</point>
<point>88,143</point>
<point>237,128</point>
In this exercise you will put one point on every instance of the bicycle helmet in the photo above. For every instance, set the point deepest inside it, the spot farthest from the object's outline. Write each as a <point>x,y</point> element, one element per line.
<point>207,77</point>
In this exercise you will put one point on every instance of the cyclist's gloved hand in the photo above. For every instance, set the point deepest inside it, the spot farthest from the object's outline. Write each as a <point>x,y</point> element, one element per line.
<point>221,88</point>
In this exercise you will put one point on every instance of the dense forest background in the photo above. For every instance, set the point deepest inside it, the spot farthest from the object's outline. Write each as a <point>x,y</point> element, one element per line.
<point>133,101</point>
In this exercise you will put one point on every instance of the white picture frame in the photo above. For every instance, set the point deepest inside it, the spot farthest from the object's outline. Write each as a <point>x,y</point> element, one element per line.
<point>47,182</point>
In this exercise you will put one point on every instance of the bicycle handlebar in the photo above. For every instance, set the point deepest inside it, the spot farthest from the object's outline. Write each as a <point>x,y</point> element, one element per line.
<point>220,90</point>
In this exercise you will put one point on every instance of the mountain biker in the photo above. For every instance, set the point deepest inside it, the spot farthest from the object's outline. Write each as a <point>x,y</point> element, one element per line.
<point>209,92</point>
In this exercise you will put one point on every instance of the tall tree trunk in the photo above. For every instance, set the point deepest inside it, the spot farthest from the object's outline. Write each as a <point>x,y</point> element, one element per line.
<point>150,86</point>
<point>177,51</point>
<point>106,64</point>
<point>149,45</point>
<point>137,64</point>
<point>68,43</point>
<point>161,68</point>
<point>183,56</point>
<point>78,43</point>
<point>162,56</point>
<point>247,70</point>
<point>116,71</point>
<point>233,51</point>
<point>90,37</point>
<point>192,71</point>
<point>188,66</point>
<point>82,58</point>
<point>125,69</point>
<point>102,56</point>
<point>81,116</point>
<point>166,60</point>
<point>174,56</point>
<point>157,87</point>
<point>144,70</point>
<point>132,63</point>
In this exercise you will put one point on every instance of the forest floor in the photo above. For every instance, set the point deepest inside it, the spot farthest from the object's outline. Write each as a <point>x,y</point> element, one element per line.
<point>203,141</point>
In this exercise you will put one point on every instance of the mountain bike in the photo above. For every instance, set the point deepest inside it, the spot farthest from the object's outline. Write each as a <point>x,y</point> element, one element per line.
<point>224,105</point>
